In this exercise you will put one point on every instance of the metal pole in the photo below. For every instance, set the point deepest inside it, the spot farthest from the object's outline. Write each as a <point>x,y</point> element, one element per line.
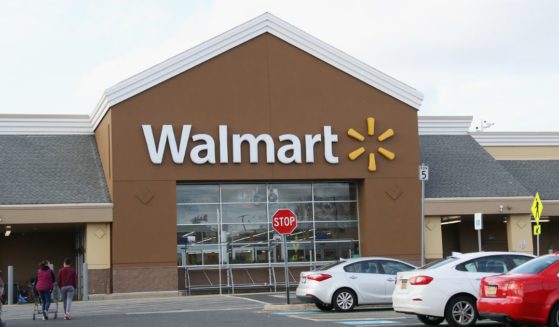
<point>538,244</point>
<point>85,286</point>
<point>285,268</point>
<point>479,239</point>
<point>422,222</point>
<point>219,249</point>
<point>10,284</point>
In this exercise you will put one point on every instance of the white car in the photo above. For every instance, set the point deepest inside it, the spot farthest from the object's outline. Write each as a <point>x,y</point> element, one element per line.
<point>351,282</point>
<point>448,289</point>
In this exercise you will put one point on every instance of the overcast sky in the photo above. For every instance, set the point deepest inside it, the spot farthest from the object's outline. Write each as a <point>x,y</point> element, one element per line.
<point>494,60</point>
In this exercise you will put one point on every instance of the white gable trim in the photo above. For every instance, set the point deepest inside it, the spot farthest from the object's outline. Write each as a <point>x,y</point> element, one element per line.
<point>517,138</point>
<point>44,124</point>
<point>444,125</point>
<point>266,23</point>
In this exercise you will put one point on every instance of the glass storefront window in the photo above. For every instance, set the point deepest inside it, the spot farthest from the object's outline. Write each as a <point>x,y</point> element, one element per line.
<point>337,211</point>
<point>244,213</point>
<point>196,214</point>
<point>244,233</point>
<point>244,193</point>
<point>289,192</point>
<point>197,193</point>
<point>335,192</point>
<point>232,222</point>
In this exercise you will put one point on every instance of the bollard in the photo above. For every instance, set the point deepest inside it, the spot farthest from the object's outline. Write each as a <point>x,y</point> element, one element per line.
<point>10,284</point>
<point>85,283</point>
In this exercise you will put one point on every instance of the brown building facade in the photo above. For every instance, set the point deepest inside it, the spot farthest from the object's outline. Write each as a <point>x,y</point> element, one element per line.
<point>263,113</point>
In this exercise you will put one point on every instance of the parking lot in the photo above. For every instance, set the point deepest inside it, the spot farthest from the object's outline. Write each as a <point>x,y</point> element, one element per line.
<point>211,310</point>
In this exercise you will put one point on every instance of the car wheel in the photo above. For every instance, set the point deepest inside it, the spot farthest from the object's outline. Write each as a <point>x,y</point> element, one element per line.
<point>554,316</point>
<point>344,300</point>
<point>461,311</point>
<point>323,306</point>
<point>430,320</point>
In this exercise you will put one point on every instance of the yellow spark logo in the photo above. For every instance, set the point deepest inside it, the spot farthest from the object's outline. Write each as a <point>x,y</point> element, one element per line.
<point>371,131</point>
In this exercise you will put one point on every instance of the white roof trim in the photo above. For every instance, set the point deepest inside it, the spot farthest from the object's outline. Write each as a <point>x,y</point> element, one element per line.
<point>444,125</point>
<point>45,124</point>
<point>516,138</point>
<point>265,23</point>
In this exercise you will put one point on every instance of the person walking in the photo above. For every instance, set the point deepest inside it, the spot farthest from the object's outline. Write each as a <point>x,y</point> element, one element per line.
<point>45,284</point>
<point>67,281</point>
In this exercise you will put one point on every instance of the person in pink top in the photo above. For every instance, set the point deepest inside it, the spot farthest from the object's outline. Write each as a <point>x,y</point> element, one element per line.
<point>67,281</point>
<point>45,284</point>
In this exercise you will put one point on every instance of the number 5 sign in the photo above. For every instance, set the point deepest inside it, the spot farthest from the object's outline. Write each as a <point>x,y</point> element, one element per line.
<point>423,172</point>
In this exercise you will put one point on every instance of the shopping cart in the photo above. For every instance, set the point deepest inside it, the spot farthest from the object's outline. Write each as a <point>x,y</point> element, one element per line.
<point>38,307</point>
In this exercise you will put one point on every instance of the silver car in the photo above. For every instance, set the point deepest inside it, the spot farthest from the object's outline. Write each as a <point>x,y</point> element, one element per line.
<point>351,282</point>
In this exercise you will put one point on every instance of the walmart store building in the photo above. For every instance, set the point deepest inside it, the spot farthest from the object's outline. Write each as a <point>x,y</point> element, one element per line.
<point>171,182</point>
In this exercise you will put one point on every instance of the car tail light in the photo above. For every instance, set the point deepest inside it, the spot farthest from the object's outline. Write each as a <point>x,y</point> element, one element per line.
<point>421,280</point>
<point>514,288</point>
<point>318,277</point>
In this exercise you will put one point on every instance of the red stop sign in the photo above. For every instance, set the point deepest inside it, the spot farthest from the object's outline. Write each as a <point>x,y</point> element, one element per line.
<point>284,221</point>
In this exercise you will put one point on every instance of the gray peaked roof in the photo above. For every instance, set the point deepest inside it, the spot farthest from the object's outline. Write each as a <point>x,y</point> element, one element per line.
<point>51,169</point>
<point>536,175</point>
<point>461,168</point>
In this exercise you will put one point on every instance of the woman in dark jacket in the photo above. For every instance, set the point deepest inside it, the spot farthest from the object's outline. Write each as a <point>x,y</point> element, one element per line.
<point>45,284</point>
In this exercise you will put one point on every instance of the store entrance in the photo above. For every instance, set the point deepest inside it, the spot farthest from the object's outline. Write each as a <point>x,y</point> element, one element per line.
<point>28,244</point>
<point>459,235</point>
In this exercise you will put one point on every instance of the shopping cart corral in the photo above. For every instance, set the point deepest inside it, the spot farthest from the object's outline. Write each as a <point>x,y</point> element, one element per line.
<point>234,278</point>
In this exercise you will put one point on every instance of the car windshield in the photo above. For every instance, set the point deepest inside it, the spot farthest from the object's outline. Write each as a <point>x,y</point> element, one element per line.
<point>330,265</point>
<point>439,263</point>
<point>535,266</point>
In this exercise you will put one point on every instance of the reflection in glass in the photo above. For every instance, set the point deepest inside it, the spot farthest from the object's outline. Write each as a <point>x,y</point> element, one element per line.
<point>328,211</point>
<point>303,232</point>
<point>197,193</point>
<point>246,193</point>
<point>197,214</point>
<point>248,253</point>
<point>336,231</point>
<point>301,209</point>
<point>327,251</point>
<point>245,233</point>
<point>289,192</point>
<point>244,213</point>
<point>197,234</point>
<point>335,192</point>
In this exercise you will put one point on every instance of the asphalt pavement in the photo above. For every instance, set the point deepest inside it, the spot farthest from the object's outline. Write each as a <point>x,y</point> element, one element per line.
<point>247,310</point>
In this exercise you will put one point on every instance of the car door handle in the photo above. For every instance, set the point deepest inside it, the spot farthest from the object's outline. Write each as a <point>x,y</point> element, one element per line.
<point>390,280</point>
<point>353,277</point>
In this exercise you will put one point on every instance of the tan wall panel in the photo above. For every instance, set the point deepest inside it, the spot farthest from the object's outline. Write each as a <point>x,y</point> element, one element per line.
<point>519,234</point>
<point>68,213</point>
<point>469,206</point>
<point>433,238</point>
<point>98,246</point>
<point>524,152</point>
